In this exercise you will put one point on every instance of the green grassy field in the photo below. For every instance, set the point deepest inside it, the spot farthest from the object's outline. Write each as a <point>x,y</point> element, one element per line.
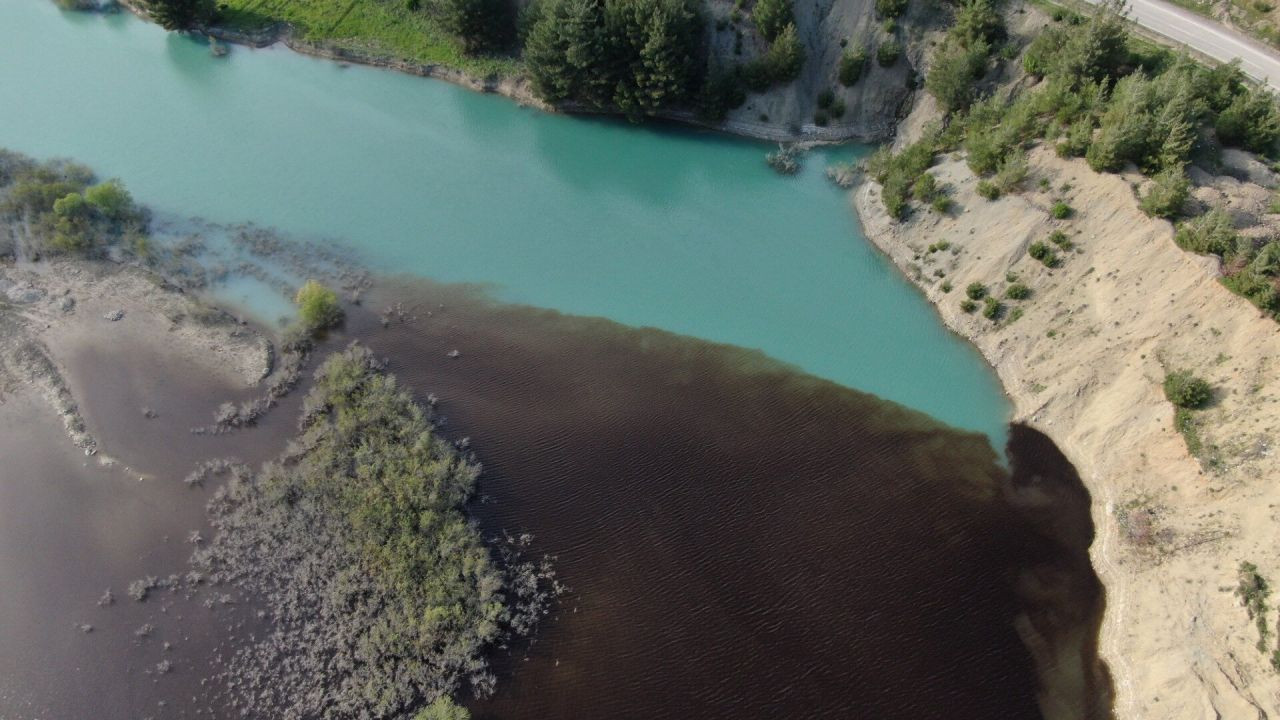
<point>383,27</point>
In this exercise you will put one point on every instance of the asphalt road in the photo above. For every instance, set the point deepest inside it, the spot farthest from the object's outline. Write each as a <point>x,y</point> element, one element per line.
<point>1208,37</point>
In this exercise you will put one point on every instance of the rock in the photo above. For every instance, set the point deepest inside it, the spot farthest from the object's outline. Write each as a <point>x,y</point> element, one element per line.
<point>114,316</point>
<point>454,354</point>
<point>68,304</point>
<point>24,293</point>
<point>1245,166</point>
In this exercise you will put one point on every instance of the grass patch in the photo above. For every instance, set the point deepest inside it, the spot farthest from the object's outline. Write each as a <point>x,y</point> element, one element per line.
<point>389,29</point>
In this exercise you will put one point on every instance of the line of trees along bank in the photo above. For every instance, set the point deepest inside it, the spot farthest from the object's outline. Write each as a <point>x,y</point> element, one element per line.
<point>634,55</point>
<point>637,57</point>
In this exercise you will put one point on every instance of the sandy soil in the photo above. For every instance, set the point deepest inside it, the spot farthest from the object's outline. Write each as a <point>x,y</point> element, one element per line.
<point>1084,363</point>
<point>52,311</point>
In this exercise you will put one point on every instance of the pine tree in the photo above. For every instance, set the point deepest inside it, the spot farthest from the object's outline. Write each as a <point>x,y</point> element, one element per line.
<point>1175,132</point>
<point>771,17</point>
<point>482,25</point>
<point>564,47</point>
<point>664,65</point>
<point>181,14</point>
<point>785,56</point>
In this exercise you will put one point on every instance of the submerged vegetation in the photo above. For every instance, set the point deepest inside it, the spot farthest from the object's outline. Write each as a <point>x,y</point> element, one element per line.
<point>384,596</point>
<point>57,208</point>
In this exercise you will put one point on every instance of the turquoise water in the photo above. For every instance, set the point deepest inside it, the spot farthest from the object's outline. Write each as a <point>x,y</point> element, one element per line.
<point>685,231</point>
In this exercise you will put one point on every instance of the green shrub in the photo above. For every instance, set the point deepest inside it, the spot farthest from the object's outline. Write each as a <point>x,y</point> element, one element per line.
<point>985,151</point>
<point>1212,233</point>
<point>1185,390</point>
<point>946,286</point>
<point>975,291</point>
<point>772,17</point>
<point>992,308</point>
<point>111,200</point>
<point>181,14</point>
<point>1253,591</point>
<point>825,98</point>
<point>1076,143</point>
<point>443,708</point>
<point>1012,173</point>
<point>1258,288</point>
<point>890,8</point>
<point>988,189</point>
<point>1017,291</point>
<point>1060,210</point>
<point>953,73</point>
<point>1251,121</point>
<point>720,93</point>
<point>941,204</point>
<point>968,306</point>
<point>1166,196</point>
<point>1040,57</point>
<point>71,232</point>
<point>1059,238</point>
<point>837,108</point>
<point>482,25</point>
<point>785,57</point>
<point>852,63</point>
<point>318,306</point>
<point>898,173</point>
<point>1042,252</point>
<point>925,188</point>
<point>888,52</point>
<point>977,23</point>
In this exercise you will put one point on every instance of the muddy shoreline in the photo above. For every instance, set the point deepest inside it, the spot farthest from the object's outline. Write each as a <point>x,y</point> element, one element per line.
<point>601,366</point>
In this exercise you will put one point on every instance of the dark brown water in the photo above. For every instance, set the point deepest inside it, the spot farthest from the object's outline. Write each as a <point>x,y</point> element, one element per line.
<point>741,541</point>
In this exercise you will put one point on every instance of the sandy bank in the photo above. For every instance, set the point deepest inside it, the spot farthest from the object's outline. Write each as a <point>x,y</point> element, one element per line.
<point>52,311</point>
<point>1084,363</point>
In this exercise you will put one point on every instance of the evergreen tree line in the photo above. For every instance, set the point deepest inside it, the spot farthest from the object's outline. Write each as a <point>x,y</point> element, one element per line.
<point>638,56</point>
<point>181,14</point>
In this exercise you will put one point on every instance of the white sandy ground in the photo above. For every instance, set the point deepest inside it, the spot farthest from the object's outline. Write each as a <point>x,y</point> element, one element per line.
<point>1084,364</point>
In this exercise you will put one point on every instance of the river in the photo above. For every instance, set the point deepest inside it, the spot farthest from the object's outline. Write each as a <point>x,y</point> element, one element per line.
<point>691,379</point>
<point>685,231</point>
